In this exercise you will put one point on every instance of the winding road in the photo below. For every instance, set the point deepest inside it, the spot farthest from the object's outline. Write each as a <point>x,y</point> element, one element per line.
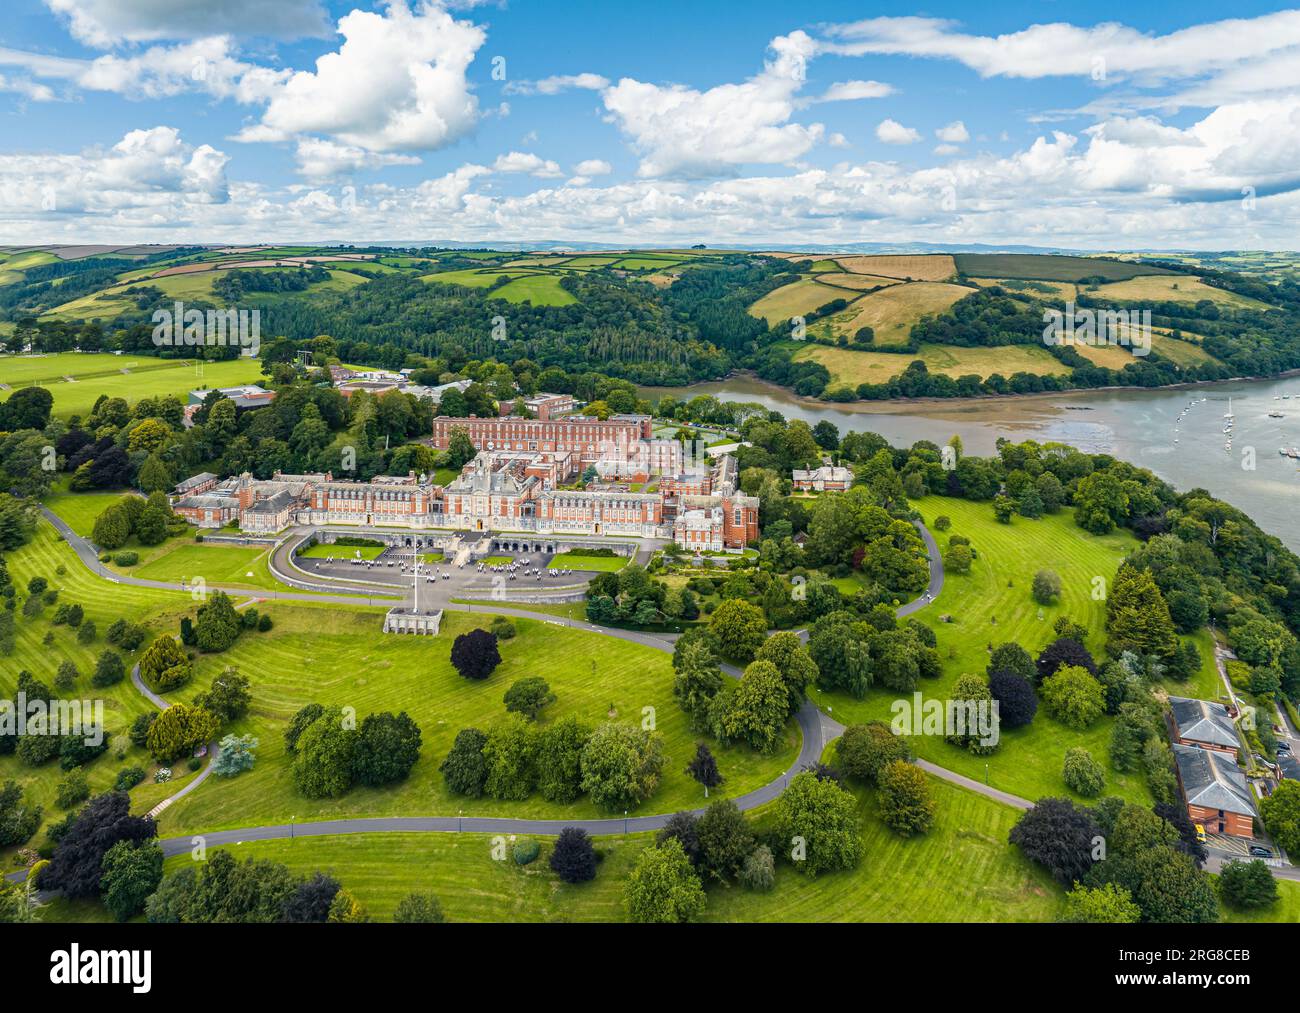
<point>816,728</point>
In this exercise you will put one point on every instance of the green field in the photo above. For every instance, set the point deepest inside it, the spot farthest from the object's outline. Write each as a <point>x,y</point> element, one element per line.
<point>1048,267</point>
<point>80,509</point>
<point>598,564</point>
<point>130,377</point>
<point>850,368</point>
<point>797,299</point>
<point>340,657</point>
<point>214,563</point>
<point>892,312</point>
<point>322,551</point>
<point>1174,288</point>
<point>987,612</point>
<point>538,289</point>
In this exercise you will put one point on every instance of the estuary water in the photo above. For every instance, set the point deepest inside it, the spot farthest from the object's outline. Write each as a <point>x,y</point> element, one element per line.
<point>1176,433</point>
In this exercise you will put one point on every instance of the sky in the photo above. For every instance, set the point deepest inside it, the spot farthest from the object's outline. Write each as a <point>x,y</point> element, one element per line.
<point>1086,125</point>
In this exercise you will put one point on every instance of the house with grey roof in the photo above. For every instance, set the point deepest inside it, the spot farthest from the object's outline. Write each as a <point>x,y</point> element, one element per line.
<point>1216,792</point>
<point>1203,723</point>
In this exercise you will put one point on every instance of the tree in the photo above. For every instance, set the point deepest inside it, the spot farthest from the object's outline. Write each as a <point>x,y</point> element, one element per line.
<point>696,681</point>
<point>739,627</point>
<point>387,747</point>
<point>77,865</point>
<point>465,769</point>
<point>112,528</point>
<point>662,887</point>
<point>310,900</point>
<point>131,872</point>
<point>1166,885</point>
<point>72,790</point>
<point>228,697</point>
<point>682,828</point>
<point>559,759</point>
<point>17,821</point>
<point>704,768</point>
<point>325,760</point>
<point>475,655</point>
<point>164,665</point>
<point>1281,812</point>
<point>1073,697</point>
<point>511,757</point>
<point>906,805</point>
<point>1047,587</point>
<point>109,670</point>
<point>1100,503</point>
<point>974,726</point>
<point>151,528</point>
<point>793,663</point>
<point>957,559</point>
<point>725,840</point>
<point>1137,618</point>
<point>1017,702</point>
<point>528,696</point>
<point>573,859</point>
<point>864,750</point>
<point>759,872</point>
<point>755,711</point>
<point>1106,904</point>
<point>1063,652</point>
<point>1011,657</point>
<point>216,623</point>
<point>1083,775</point>
<point>817,821</point>
<point>235,755</point>
<point>621,765</point>
<point>418,908</point>
<point>1059,837</point>
<point>460,450</point>
<point>1247,885</point>
<point>179,731</point>
<point>298,724</point>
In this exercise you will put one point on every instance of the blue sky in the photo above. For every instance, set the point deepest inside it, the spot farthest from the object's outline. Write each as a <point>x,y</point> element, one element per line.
<point>1098,125</point>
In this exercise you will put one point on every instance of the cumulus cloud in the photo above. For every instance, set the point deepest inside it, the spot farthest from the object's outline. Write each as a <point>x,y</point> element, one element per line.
<point>593,167</point>
<point>954,133</point>
<point>850,91</point>
<point>150,169</point>
<point>103,23</point>
<point>318,158</point>
<point>681,131</point>
<point>526,162</point>
<point>892,132</point>
<point>397,83</point>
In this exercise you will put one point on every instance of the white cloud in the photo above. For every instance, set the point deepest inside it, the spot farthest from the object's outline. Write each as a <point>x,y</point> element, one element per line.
<point>593,167</point>
<point>147,169</point>
<point>533,165</point>
<point>321,159</point>
<point>557,83</point>
<point>396,84</point>
<point>850,91</point>
<point>892,132</point>
<point>946,149</point>
<point>103,23</point>
<point>680,131</point>
<point>954,133</point>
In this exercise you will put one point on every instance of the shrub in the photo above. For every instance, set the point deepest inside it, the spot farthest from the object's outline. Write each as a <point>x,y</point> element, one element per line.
<point>419,908</point>
<point>759,872</point>
<point>1247,885</point>
<point>863,750</point>
<point>906,805</point>
<point>1082,773</point>
<point>503,628</point>
<point>528,696</point>
<point>525,851</point>
<point>126,558</point>
<point>1047,587</point>
<point>573,858</point>
<point>128,778</point>
<point>72,790</point>
<point>941,523</point>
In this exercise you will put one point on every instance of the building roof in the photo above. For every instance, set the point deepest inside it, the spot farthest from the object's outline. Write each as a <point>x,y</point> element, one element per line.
<point>1212,780</point>
<point>193,481</point>
<point>1204,721</point>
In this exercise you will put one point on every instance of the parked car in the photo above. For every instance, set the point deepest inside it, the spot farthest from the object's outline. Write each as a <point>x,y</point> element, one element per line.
<point>1259,851</point>
<point>1284,747</point>
<point>1200,832</point>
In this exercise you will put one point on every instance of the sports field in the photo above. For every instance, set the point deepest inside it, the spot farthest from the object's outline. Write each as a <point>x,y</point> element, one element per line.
<point>125,376</point>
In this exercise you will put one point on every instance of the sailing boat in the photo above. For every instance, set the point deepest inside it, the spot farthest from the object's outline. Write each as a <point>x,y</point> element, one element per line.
<point>1228,413</point>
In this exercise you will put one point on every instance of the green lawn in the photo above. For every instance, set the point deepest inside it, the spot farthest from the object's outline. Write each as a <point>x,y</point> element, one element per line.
<point>322,551</point>
<point>496,560</point>
<point>132,377</point>
<point>598,564</point>
<point>345,660</point>
<point>538,289</point>
<point>987,612</point>
<point>79,510</point>
<point>214,563</point>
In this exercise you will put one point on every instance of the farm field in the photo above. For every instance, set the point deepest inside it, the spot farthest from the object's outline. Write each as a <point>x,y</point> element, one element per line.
<point>862,282</point>
<point>538,289</point>
<point>1174,288</point>
<point>1064,290</point>
<point>848,367</point>
<point>892,312</point>
<point>923,267</point>
<point>472,277</point>
<point>155,377</point>
<point>795,300</point>
<point>992,605</point>
<point>348,661</point>
<point>1049,267</point>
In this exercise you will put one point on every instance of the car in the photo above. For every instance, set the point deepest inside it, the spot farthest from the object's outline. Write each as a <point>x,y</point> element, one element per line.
<point>1259,851</point>
<point>1284,747</point>
<point>1200,832</point>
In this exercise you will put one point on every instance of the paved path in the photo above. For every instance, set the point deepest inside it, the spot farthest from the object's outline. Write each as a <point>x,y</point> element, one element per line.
<point>816,728</point>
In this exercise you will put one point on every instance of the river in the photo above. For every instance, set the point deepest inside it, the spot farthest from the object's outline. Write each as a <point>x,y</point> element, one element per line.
<point>1146,427</point>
